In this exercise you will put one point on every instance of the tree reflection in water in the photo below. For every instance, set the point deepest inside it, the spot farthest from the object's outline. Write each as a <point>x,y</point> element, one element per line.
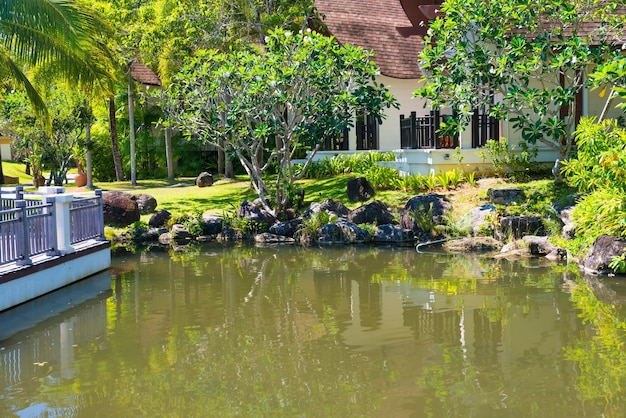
<point>359,331</point>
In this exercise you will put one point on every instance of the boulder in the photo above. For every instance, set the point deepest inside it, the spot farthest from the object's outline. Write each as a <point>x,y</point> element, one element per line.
<point>180,233</point>
<point>390,233</point>
<point>328,205</point>
<point>159,219</point>
<point>431,208</point>
<point>602,252</point>
<point>518,226</point>
<point>331,234</point>
<point>229,235</point>
<point>286,228</point>
<point>505,196</point>
<point>120,209</point>
<point>374,212</point>
<point>352,233</point>
<point>212,224</point>
<point>568,230</point>
<point>359,190</point>
<point>473,244</point>
<point>204,179</point>
<point>145,202</point>
<point>270,239</point>
<point>252,212</point>
<point>479,217</point>
<point>532,246</point>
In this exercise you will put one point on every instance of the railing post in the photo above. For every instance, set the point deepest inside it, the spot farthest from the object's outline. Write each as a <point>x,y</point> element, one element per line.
<point>23,243</point>
<point>100,219</point>
<point>19,192</point>
<point>53,243</point>
<point>413,137</point>
<point>62,203</point>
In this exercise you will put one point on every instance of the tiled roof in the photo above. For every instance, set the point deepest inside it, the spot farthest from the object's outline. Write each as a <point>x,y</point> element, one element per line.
<point>144,75</point>
<point>381,26</point>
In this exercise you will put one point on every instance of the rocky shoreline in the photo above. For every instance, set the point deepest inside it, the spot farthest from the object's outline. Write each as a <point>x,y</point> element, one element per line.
<point>424,219</point>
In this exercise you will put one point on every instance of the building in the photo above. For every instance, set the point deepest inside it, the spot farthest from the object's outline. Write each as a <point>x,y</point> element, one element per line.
<point>394,30</point>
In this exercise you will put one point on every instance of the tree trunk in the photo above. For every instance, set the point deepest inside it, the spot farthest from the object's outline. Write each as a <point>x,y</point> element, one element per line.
<point>88,161</point>
<point>220,157</point>
<point>168,154</point>
<point>117,160</point>
<point>131,128</point>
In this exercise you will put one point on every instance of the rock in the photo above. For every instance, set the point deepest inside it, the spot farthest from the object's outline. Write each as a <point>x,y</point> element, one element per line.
<point>328,205</point>
<point>268,239</point>
<point>159,219</point>
<point>374,212</point>
<point>229,235</point>
<point>287,228</point>
<point>390,233</point>
<point>422,212</point>
<point>539,246</point>
<point>119,208</point>
<point>145,202</point>
<point>251,212</point>
<point>518,226</point>
<point>331,234</point>
<point>479,217</point>
<point>505,196</point>
<point>212,224</point>
<point>532,246</point>
<point>179,233</point>
<point>568,230</point>
<point>166,238</point>
<point>473,244</point>
<point>352,233</point>
<point>359,190</point>
<point>602,252</point>
<point>204,179</point>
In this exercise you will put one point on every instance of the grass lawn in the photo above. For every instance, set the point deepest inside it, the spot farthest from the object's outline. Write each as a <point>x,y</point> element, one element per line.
<point>183,196</point>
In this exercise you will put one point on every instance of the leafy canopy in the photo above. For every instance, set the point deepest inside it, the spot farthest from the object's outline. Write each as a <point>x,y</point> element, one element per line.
<point>532,57</point>
<point>300,89</point>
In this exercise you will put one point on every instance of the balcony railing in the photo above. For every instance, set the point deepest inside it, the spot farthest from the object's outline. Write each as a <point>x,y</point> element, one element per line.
<point>33,224</point>
<point>423,132</point>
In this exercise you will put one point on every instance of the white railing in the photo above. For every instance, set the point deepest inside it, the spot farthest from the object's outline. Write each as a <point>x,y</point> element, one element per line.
<point>32,224</point>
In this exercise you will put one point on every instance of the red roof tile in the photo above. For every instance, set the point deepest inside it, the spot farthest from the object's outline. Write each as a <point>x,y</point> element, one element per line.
<point>381,26</point>
<point>144,75</point>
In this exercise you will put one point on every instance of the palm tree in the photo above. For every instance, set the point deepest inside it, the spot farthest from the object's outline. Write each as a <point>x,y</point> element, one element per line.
<point>58,37</point>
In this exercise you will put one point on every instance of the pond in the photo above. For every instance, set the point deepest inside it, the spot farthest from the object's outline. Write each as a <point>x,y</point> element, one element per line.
<point>319,332</point>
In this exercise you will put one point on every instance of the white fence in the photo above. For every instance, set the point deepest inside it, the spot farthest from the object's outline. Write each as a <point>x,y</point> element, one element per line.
<point>38,223</point>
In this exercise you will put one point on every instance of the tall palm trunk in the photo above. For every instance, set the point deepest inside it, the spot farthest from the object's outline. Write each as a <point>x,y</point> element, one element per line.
<point>115,145</point>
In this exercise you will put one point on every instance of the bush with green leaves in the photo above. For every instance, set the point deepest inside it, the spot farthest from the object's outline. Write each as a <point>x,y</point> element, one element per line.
<point>600,171</point>
<point>509,160</point>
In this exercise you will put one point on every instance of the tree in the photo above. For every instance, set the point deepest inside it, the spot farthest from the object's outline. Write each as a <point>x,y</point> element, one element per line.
<point>532,57</point>
<point>299,90</point>
<point>59,37</point>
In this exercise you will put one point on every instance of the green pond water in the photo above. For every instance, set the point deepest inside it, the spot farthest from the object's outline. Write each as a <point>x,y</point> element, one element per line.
<point>319,332</point>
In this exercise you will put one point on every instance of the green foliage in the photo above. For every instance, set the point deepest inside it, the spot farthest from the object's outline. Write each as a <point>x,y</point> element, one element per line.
<point>509,160</point>
<point>45,148</point>
<point>618,264</point>
<point>478,55</point>
<point>359,163</point>
<point>601,158</point>
<point>599,170</point>
<point>302,88</point>
<point>312,225</point>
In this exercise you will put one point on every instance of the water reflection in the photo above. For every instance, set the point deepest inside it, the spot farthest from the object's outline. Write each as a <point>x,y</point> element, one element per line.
<point>339,332</point>
<point>39,339</point>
